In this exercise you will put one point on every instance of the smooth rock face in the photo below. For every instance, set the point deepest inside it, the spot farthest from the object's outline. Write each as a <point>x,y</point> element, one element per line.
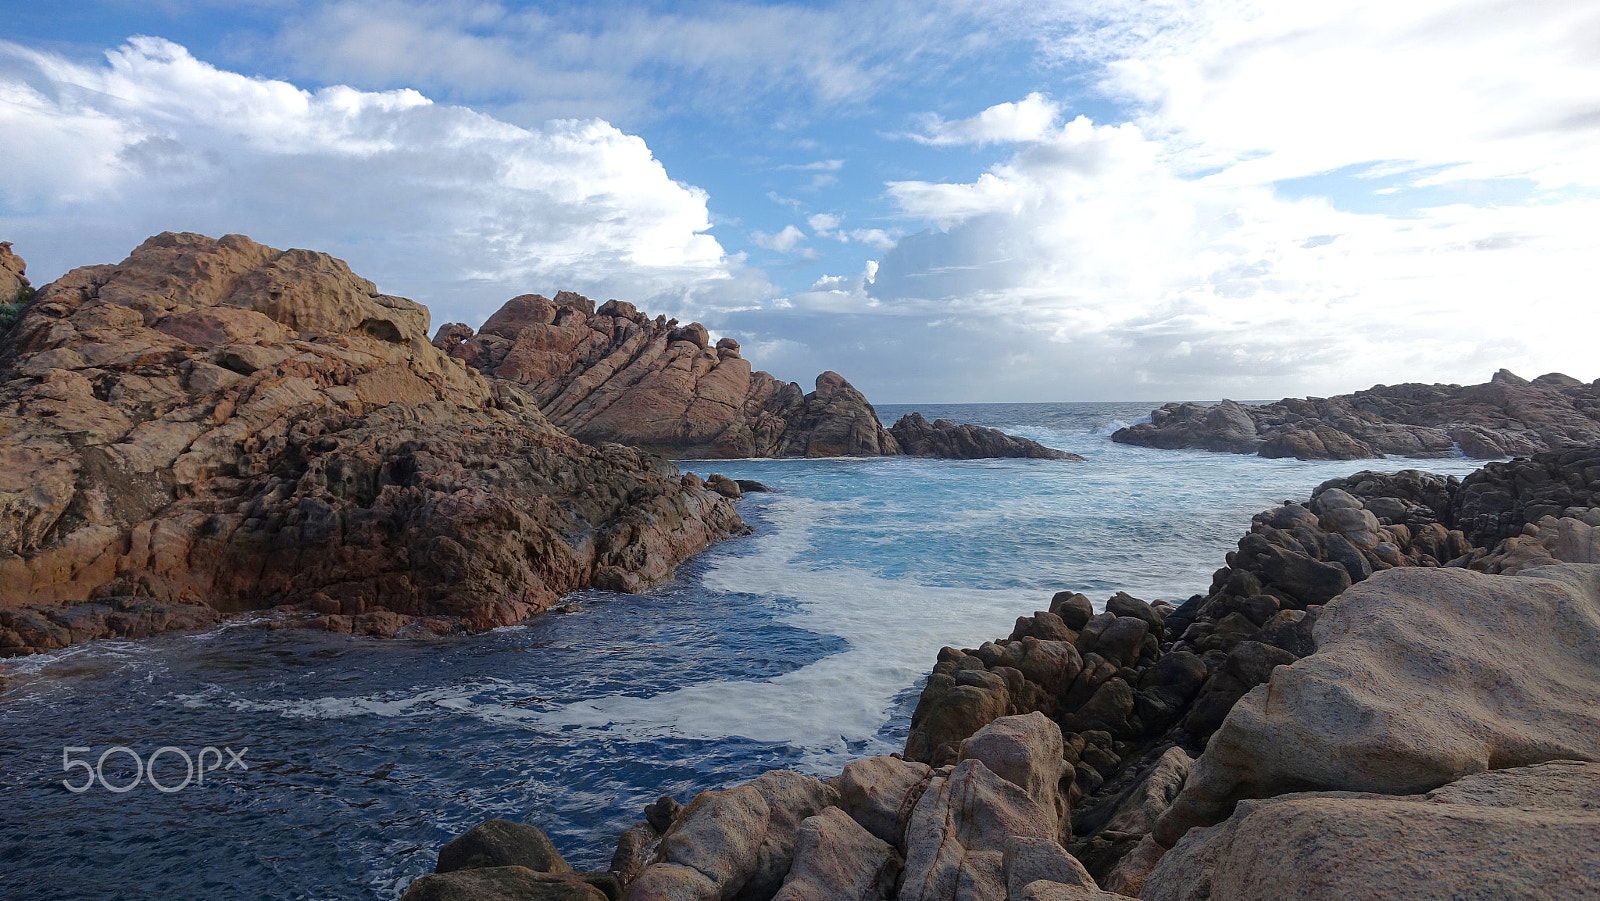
<point>213,421</point>
<point>1503,417</point>
<point>1027,752</point>
<point>944,438</point>
<point>837,860</point>
<point>1421,676</point>
<point>956,840</point>
<point>738,842</point>
<point>1524,833</point>
<point>875,791</point>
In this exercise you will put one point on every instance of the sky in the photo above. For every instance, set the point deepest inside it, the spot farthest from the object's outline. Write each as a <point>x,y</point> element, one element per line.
<point>943,200</point>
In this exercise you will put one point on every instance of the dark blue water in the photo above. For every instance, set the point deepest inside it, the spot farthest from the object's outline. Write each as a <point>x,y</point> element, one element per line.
<point>800,646</point>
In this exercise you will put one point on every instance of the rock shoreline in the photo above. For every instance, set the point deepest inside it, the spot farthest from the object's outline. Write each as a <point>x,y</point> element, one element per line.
<point>1382,695</point>
<point>213,427</point>
<point>1506,416</point>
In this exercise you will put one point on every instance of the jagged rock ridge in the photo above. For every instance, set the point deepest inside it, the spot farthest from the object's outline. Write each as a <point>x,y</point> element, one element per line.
<point>615,374</point>
<point>215,422</point>
<point>1503,417</point>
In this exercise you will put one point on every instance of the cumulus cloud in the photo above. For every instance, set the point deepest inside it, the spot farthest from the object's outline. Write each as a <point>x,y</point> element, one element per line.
<point>1166,256</point>
<point>442,203</point>
<point>783,242</point>
<point>1028,119</point>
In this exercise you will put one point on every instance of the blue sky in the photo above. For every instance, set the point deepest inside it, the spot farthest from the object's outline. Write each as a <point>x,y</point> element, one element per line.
<point>944,201</point>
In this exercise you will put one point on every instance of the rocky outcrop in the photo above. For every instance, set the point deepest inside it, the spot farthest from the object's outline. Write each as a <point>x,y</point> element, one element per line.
<point>1528,832</point>
<point>615,374</point>
<point>216,422</point>
<point>1145,750</point>
<point>917,437</point>
<point>499,860</point>
<point>1503,417</point>
<point>1492,672</point>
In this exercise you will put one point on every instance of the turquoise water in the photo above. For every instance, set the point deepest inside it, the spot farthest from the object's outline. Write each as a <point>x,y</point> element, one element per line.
<point>801,646</point>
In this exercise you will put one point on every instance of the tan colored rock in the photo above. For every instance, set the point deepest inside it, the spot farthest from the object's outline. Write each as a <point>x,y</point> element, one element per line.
<point>1027,752</point>
<point>13,274</point>
<point>875,791</point>
<point>1524,833</point>
<point>837,860</point>
<point>957,836</point>
<point>1029,861</point>
<point>214,421</point>
<point>735,840</point>
<point>1421,677</point>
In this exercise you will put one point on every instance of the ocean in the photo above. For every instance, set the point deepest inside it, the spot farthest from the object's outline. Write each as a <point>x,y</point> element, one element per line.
<point>341,764</point>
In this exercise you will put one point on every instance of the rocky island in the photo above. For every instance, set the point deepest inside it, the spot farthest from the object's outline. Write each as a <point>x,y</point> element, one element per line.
<point>1389,691</point>
<point>213,427</point>
<point>1506,416</point>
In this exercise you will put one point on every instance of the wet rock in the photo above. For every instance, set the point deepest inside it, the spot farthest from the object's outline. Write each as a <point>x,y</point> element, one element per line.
<point>501,843</point>
<point>944,438</point>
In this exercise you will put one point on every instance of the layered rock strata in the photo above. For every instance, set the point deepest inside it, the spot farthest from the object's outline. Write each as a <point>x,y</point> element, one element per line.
<point>616,374</point>
<point>1430,733</point>
<point>215,422</point>
<point>1505,416</point>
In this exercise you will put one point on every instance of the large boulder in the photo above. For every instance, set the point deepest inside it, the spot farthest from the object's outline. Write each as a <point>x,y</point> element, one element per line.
<point>1421,676</point>
<point>958,834</point>
<point>837,860</point>
<point>1524,834</point>
<point>501,843</point>
<point>1026,751</point>
<point>738,842</point>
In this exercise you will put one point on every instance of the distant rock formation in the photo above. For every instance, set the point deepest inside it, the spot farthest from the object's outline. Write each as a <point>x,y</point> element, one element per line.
<point>1507,416</point>
<point>918,437</point>
<point>615,374</point>
<point>216,422</point>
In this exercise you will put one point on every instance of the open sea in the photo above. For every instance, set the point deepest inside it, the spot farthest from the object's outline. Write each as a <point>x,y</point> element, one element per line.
<point>342,764</point>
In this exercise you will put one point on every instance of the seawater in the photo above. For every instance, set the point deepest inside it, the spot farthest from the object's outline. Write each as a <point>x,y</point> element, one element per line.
<point>801,646</point>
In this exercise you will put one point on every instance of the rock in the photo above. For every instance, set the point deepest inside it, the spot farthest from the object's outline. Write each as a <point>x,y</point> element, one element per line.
<point>1074,609</point>
<point>501,843</point>
<point>837,860</point>
<point>1124,604</point>
<point>34,629</point>
<point>502,884</point>
<point>1503,417</point>
<point>1524,833</point>
<point>1030,860</point>
<point>1027,752</point>
<point>1393,699</point>
<point>736,840</point>
<point>636,849</point>
<point>326,456</point>
<point>14,283</point>
<point>662,813</point>
<point>1055,891</point>
<point>725,486</point>
<point>877,792</point>
<point>957,836</point>
<point>944,438</point>
<point>750,485</point>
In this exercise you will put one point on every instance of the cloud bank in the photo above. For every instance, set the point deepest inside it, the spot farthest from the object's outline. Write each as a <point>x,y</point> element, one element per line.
<point>441,203</point>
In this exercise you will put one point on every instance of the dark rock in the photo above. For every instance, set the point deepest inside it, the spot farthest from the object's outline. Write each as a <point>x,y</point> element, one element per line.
<point>501,843</point>
<point>502,884</point>
<point>918,437</point>
<point>1074,609</point>
<point>1124,604</point>
<point>662,813</point>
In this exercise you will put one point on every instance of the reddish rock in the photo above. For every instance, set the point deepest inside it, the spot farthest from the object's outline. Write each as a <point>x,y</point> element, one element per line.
<point>216,422</point>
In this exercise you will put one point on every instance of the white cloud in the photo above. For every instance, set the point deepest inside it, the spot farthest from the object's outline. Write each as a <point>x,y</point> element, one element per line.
<point>840,293</point>
<point>1097,245</point>
<point>877,238</point>
<point>1028,119</point>
<point>783,242</point>
<point>818,166</point>
<point>443,203</point>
